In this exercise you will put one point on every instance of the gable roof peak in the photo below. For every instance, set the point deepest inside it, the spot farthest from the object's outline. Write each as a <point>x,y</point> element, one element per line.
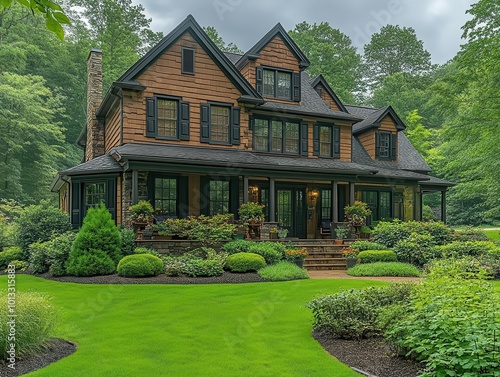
<point>320,79</point>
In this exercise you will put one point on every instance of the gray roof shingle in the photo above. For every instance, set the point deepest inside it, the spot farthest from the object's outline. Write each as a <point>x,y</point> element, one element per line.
<point>101,164</point>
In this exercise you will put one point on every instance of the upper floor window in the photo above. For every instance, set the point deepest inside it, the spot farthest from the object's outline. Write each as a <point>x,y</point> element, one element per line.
<point>188,60</point>
<point>220,124</point>
<point>277,83</point>
<point>326,140</point>
<point>386,145</point>
<point>280,136</point>
<point>167,118</point>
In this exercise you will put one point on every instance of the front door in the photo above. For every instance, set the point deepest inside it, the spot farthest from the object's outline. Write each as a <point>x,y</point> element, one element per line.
<point>291,211</point>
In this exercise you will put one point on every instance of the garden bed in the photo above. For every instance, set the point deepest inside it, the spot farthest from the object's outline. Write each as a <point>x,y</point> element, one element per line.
<point>227,277</point>
<point>369,355</point>
<point>55,350</point>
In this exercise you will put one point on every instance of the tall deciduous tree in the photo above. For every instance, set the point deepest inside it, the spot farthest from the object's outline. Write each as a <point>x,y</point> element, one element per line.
<point>219,42</point>
<point>395,50</point>
<point>331,54</point>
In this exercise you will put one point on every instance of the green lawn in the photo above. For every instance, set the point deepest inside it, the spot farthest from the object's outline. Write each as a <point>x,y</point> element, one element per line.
<point>260,329</point>
<point>493,234</point>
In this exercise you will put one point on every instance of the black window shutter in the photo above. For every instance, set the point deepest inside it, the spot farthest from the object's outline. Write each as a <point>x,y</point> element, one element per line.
<point>184,120</point>
<point>150,117</point>
<point>205,195</point>
<point>234,189</point>
<point>377,144</point>
<point>182,199</point>
<point>205,123</point>
<point>336,141</point>
<point>316,140</point>
<point>303,139</point>
<point>296,87</point>
<point>235,126</point>
<point>259,80</point>
<point>111,197</point>
<point>394,146</point>
<point>76,201</point>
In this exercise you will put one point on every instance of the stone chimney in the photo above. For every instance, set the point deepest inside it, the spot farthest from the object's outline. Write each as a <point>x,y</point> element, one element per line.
<point>95,129</point>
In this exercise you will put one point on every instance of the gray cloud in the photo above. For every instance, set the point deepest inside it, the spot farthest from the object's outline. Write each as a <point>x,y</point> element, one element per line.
<point>437,22</point>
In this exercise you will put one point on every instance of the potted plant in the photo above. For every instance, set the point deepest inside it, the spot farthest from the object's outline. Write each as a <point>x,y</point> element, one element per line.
<point>282,233</point>
<point>141,214</point>
<point>356,215</point>
<point>351,256</point>
<point>273,233</point>
<point>341,232</point>
<point>252,214</point>
<point>296,256</point>
<point>365,232</point>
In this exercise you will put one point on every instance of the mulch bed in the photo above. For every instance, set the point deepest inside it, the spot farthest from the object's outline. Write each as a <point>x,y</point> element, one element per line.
<point>371,355</point>
<point>227,277</point>
<point>55,350</point>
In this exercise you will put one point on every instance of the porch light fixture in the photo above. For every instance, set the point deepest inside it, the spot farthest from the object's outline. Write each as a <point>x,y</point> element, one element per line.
<point>313,195</point>
<point>254,190</point>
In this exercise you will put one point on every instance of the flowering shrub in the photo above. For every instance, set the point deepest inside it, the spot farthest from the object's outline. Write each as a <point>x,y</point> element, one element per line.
<point>347,252</point>
<point>292,254</point>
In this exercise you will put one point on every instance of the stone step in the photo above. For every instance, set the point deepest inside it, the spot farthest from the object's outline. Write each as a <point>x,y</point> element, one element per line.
<point>324,254</point>
<point>326,266</point>
<point>324,261</point>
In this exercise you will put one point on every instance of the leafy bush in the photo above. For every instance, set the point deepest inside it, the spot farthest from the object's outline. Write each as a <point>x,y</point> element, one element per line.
<point>372,256</point>
<point>9,214</point>
<point>452,326</point>
<point>145,250</point>
<point>243,262</point>
<point>470,233</point>
<point>367,245</point>
<point>39,223</point>
<point>140,265</point>
<point>440,233</point>
<point>98,232</point>
<point>459,249</point>
<point>51,255</point>
<point>89,263</point>
<point>238,246</point>
<point>267,250</point>
<point>127,238</point>
<point>417,249</point>
<point>465,268</point>
<point>35,323</point>
<point>10,254</point>
<point>20,265</point>
<point>174,266</point>
<point>283,271</point>
<point>384,269</point>
<point>204,267</point>
<point>390,233</point>
<point>353,314</point>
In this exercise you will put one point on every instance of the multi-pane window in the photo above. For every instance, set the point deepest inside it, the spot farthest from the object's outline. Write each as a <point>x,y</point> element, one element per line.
<point>277,84</point>
<point>285,213</point>
<point>276,136</point>
<point>384,144</point>
<point>95,193</point>
<point>165,197</point>
<point>219,197</point>
<point>380,203</point>
<point>219,123</point>
<point>167,118</point>
<point>326,204</point>
<point>385,205</point>
<point>325,141</point>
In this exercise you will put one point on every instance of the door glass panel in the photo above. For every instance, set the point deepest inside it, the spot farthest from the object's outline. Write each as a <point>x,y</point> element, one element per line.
<point>264,200</point>
<point>285,208</point>
<point>370,198</point>
<point>165,197</point>
<point>385,205</point>
<point>326,204</point>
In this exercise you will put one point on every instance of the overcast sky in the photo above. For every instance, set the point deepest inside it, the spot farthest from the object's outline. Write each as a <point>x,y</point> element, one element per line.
<point>437,22</point>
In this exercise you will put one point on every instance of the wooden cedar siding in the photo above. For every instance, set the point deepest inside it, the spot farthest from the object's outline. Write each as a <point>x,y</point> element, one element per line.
<point>248,72</point>
<point>367,139</point>
<point>325,96</point>
<point>164,77</point>
<point>119,206</point>
<point>112,130</point>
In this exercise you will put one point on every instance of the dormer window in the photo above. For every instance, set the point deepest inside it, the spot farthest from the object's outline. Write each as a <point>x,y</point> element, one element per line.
<point>386,145</point>
<point>278,83</point>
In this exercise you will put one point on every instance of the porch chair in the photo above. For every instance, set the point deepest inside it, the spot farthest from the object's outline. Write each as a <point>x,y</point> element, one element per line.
<point>325,229</point>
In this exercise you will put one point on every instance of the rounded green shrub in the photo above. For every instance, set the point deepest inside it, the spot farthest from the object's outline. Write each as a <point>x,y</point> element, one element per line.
<point>145,250</point>
<point>204,267</point>
<point>459,249</point>
<point>367,245</point>
<point>384,269</point>
<point>238,246</point>
<point>283,271</point>
<point>51,255</point>
<point>417,249</point>
<point>39,223</point>
<point>140,265</point>
<point>89,263</point>
<point>266,250</point>
<point>372,256</point>
<point>243,262</point>
<point>10,254</point>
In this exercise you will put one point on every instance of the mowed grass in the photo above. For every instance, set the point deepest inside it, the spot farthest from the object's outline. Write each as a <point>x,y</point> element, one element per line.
<point>259,329</point>
<point>493,234</point>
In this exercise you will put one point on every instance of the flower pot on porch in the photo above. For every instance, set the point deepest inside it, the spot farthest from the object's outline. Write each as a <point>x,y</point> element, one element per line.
<point>338,241</point>
<point>299,262</point>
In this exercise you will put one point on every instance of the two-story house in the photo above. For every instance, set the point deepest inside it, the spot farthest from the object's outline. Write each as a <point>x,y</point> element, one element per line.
<point>198,131</point>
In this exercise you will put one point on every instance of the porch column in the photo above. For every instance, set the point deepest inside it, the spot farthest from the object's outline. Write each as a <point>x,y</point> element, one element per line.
<point>245,189</point>
<point>335,201</point>
<point>272,201</point>
<point>351,193</point>
<point>443,206</point>
<point>135,186</point>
